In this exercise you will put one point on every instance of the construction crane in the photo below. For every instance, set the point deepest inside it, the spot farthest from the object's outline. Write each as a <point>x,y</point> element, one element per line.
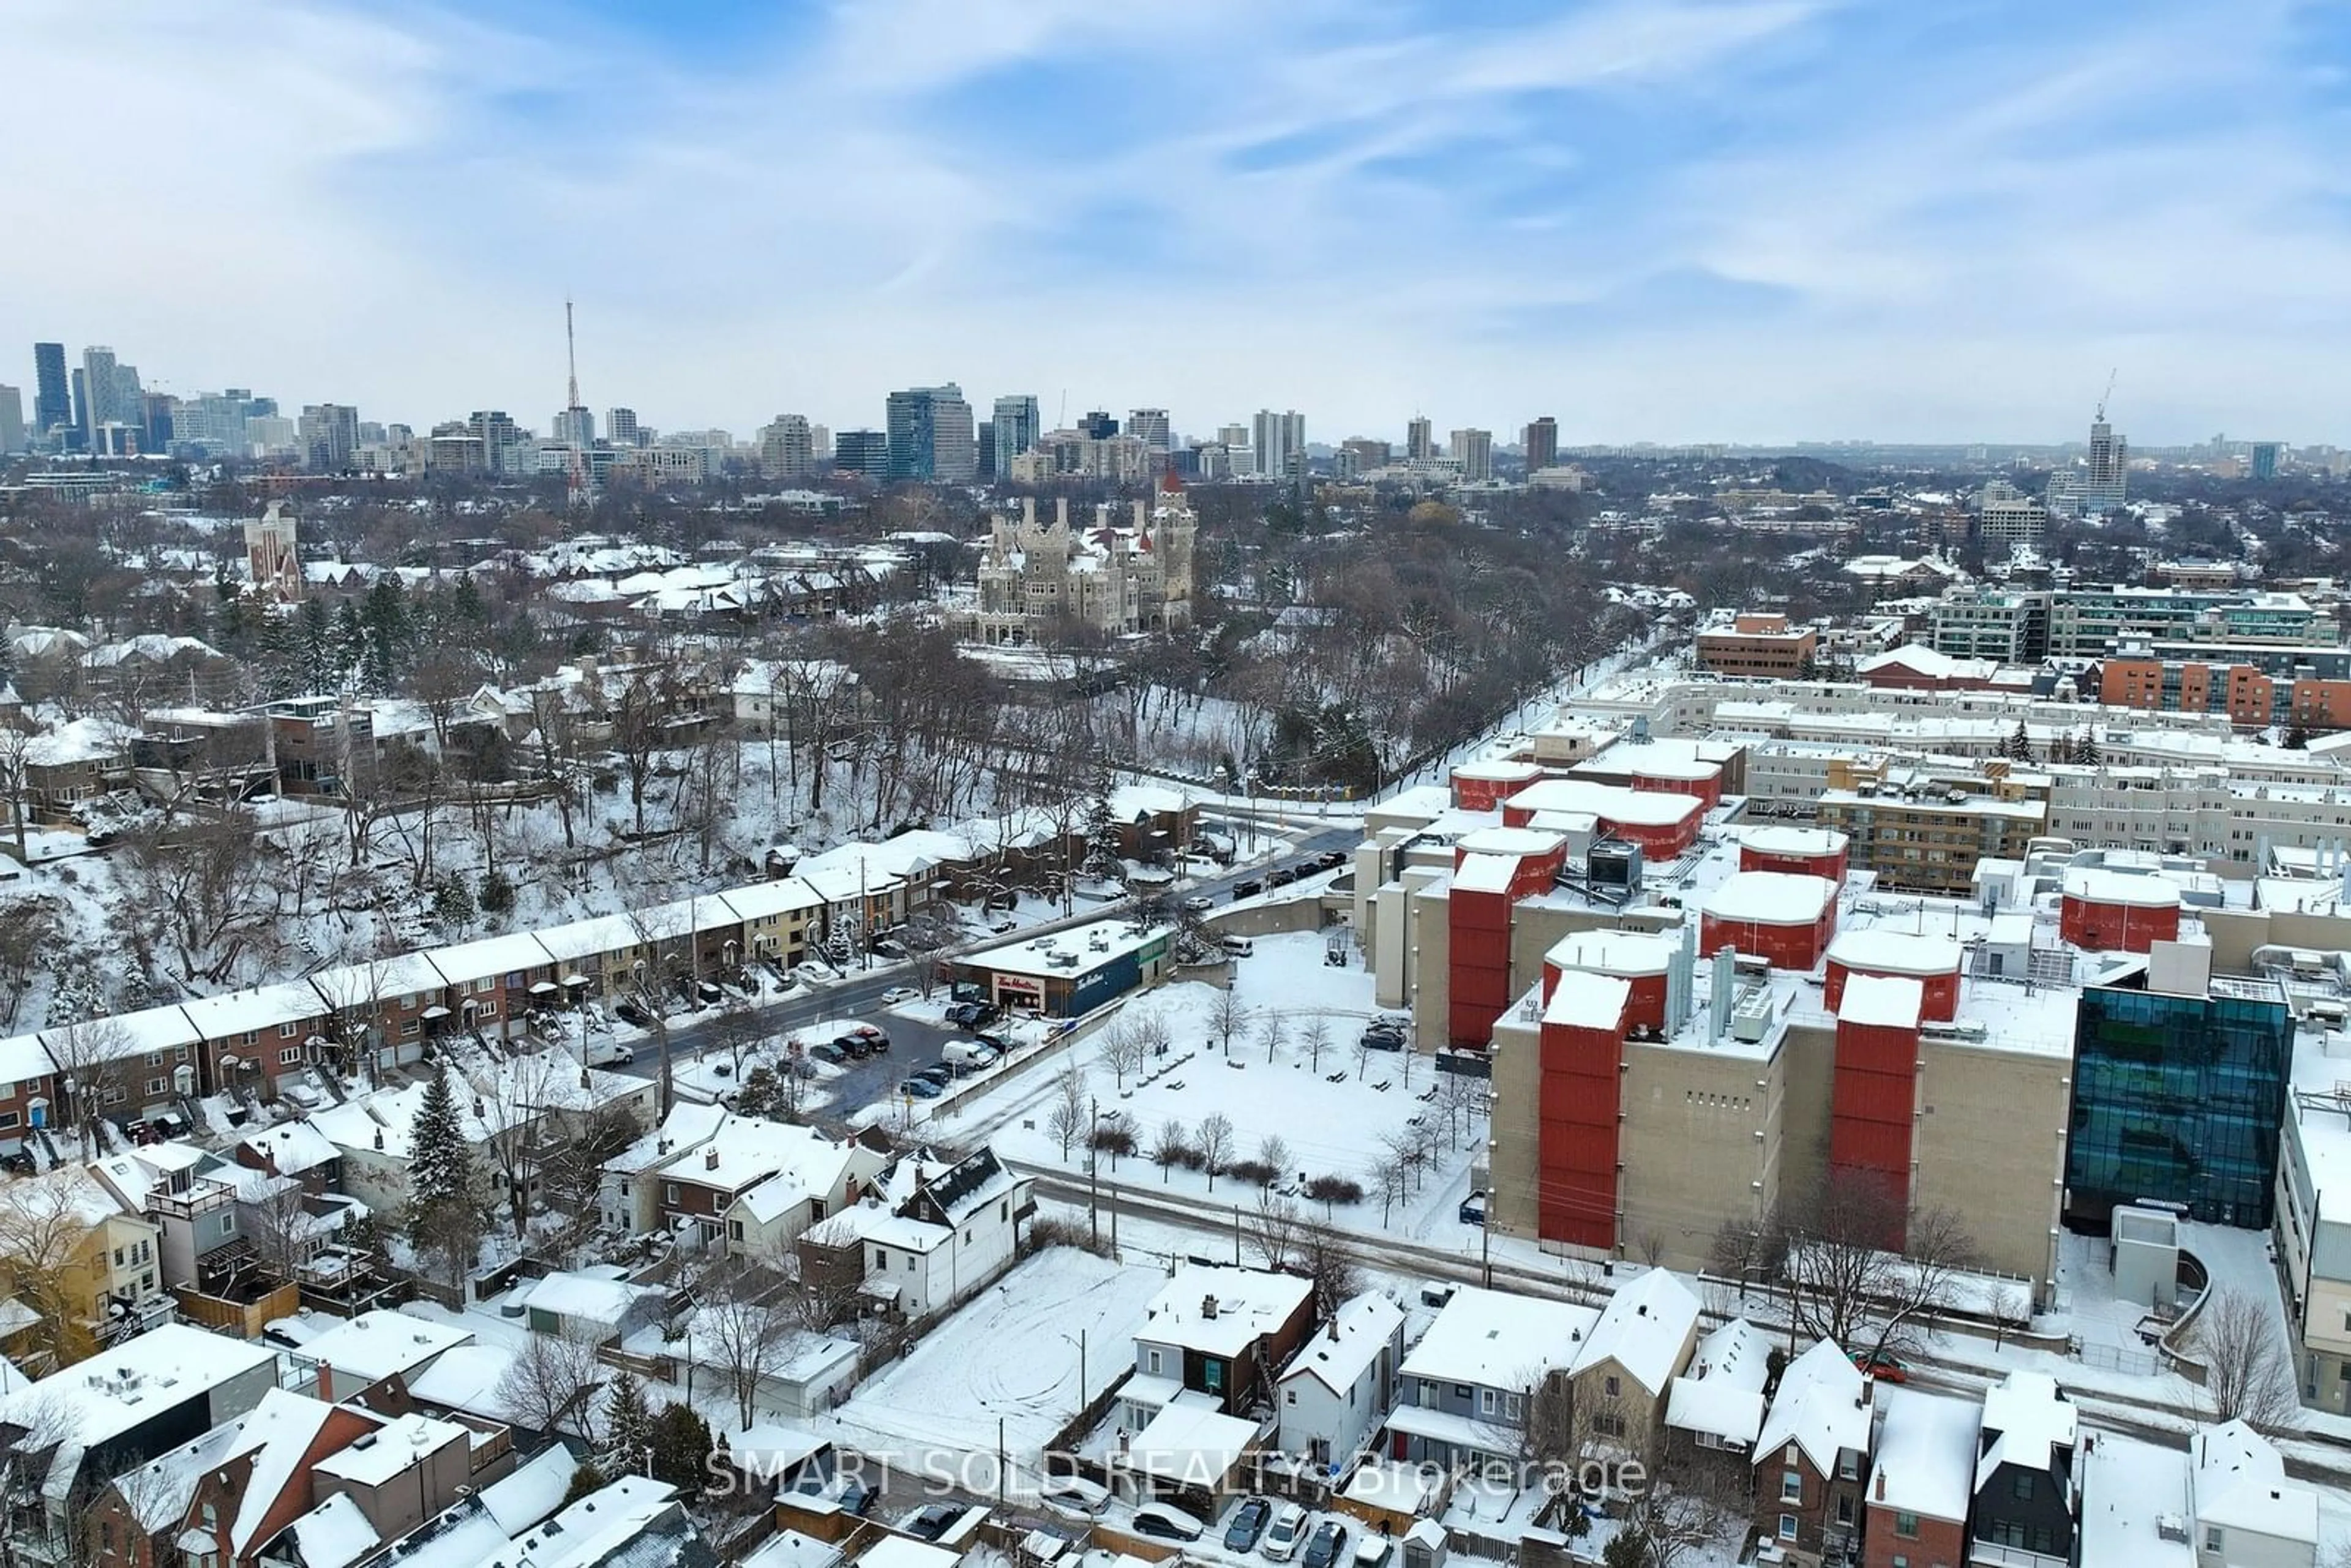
<point>2107,393</point>
<point>576,465</point>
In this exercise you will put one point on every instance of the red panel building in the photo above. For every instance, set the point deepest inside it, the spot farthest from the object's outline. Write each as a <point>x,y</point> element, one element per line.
<point>1576,1170</point>
<point>1484,786</point>
<point>1637,958</point>
<point>1664,825</point>
<point>1702,781</point>
<point>1799,852</point>
<point>2113,912</point>
<point>1874,1100</point>
<point>1786,920</point>
<point>1932,961</point>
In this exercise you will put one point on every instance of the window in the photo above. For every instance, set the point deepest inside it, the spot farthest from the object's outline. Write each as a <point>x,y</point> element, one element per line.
<point>1906,1525</point>
<point>1460,1391</point>
<point>1004,1211</point>
<point>1614,1388</point>
<point>1289,1397</point>
<point>1150,1362</point>
<point>1787,1527</point>
<point>1512,1405</point>
<point>2213,1538</point>
<point>290,1056</point>
<point>158,1085</point>
<point>1844,1508</point>
<point>286,1030</point>
<point>1486,1402</point>
<point>735,1230</point>
<point>1848,1465</point>
<point>2021,1486</point>
<point>881,1261</point>
<point>669,1192</point>
<point>1791,1486</point>
<point>1901,1561</point>
<point>7,1118</point>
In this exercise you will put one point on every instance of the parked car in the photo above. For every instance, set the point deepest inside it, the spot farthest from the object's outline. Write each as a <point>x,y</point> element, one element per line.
<point>938,1072</point>
<point>930,1522</point>
<point>1199,903</point>
<point>897,994</point>
<point>1073,1497</point>
<point>1246,1524</point>
<point>1281,877</point>
<point>1883,1367</point>
<point>1378,1038</point>
<point>1322,1550</point>
<point>1473,1208</point>
<point>1282,1538</point>
<point>1157,1522</point>
<point>1329,860</point>
<point>813,974</point>
<point>849,1045</point>
<point>629,1010</point>
<point>830,1052</point>
<point>1374,1550</point>
<point>1247,889</point>
<point>921,1089</point>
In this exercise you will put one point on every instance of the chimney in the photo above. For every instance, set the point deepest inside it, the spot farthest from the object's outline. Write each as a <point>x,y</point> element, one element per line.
<point>710,1159</point>
<point>326,1384</point>
<point>1208,1307</point>
<point>1718,1000</point>
<point>379,1137</point>
<point>1881,1486</point>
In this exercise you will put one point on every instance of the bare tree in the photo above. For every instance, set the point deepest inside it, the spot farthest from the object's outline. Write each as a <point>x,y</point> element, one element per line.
<point>1316,1038</point>
<point>283,1230</point>
<point>1170,1148</point>
<point>1324,1258</point>
<point>750,1326</point>
<point>1228,1016</point>
<point>2012,1312</point>
<point>1123,1048</point>
<point>1272,1031</point>
<point>512,1100</point>
<point>1216,1145</point>
<point>209,898</point>
<point>1273,1154</point>
<point>1072,1107</point>
<point>1459,1097</point>
<point>2246,1375</point>
<point>548,1384</point>
<point>1689,1520</point>
<point>45,1227</point>
<point>1273,1227</point>
<point>14,790</point>
<point>1151,1031</point>
<point>94,1059</point>
<point>1861,1271</point>
<point>1388,1174</point>
<point>1403,1145</point>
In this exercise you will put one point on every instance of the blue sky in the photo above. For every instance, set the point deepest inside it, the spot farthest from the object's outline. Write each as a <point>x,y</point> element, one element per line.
<point>1659,219</point>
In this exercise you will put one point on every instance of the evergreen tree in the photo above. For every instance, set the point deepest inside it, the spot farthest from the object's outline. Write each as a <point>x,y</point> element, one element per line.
<point>2297,738</point>
<point>452,902</point>
<point>497,895</point>
<point>389,636</point>
<point>681,1444</point>
<point>586,1480</point>
<point>314,636</point>
<point>2018,747</point>
<point>351,642</point>
<point>2086,750</point>
<point>444,1223</point>
<point>1100,829</point>
<point>628,1423</point>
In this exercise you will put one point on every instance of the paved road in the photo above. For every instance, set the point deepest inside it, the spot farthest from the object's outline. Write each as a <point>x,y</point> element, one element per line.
<point>915,1043</point>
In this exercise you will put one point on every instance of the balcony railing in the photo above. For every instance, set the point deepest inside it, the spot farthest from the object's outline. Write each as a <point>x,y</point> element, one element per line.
<point>1993,1554</point>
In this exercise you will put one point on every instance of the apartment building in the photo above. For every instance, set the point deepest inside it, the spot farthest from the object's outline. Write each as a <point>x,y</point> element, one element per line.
<point>1758,647</point>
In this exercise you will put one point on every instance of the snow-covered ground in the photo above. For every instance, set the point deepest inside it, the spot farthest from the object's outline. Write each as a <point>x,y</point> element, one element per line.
<point>1004,1369</point>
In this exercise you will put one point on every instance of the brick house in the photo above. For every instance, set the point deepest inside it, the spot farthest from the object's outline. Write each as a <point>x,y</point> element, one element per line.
<point>1921,1481</point>
<point>1810,1456</point>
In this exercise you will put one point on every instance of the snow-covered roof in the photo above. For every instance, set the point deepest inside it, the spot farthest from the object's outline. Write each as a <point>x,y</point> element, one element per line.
<point>121,1036</point>
<point>293,1147</point>
<point>533,1492</point>
<point>1338,1353</point>
<point>465,1378</point>
<point>490,956</point>
<point>117,1388</point>
<point>1247,1303</point>
<point>23,1058</point>
<point>1615,801</point>
<point>376,1345</point>
<point>741,1150</point>
<point>597,1527</point>
<point>1894,952</point>
<point>2239,1484</point>
<point>765,900</point>
<point>1611,951</point>
<point>358,985</point>
<point>1643,1330</point>
<point>2134,1506</point>
<point>1923,660</point>
<point>1585,1000</point>
<point>1771,898</point>
<point>1033,956</point>
<point>1497,1340</point>
<point>1191,1442</point>
<point>1926,1454</point>
<point>687,1126</point>
<point>592,1297</point>
<point>335,1534</point>
<point>1723,1394</point>
<point>1485,872</point>
<point>2094,887</point>
<point>253,1010</point>
<point>2028,1418</point>
<point>1819,1406</point>
<point>791,1549</point>
<point>1882,1001</point>
<point>400,1445</point>
<point>1775,838</point>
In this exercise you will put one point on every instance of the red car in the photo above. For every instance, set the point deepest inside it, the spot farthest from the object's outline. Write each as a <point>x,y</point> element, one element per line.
<point>1881,1367</point>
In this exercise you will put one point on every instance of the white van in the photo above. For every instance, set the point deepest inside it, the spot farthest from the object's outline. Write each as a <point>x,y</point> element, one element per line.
<point>1239,946</point>
<point>1282,1537</point>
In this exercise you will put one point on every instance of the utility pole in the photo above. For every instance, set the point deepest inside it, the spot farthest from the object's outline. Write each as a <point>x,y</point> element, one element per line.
<point>1237,1236</point>
<point>1001,1479</point>
<point>1094,1178</point>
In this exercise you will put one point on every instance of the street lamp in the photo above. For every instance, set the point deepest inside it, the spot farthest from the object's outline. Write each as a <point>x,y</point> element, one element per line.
<point>1081,1343</point>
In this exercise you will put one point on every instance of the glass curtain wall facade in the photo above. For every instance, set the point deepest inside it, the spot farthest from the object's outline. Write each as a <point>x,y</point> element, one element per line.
<point>2179,1100</point>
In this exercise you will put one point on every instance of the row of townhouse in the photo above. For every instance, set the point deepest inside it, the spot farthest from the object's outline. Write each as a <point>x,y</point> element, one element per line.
<point>252,1043</point>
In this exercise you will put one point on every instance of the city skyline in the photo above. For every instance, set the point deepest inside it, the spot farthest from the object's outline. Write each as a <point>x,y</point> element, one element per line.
<point>1759,222</point>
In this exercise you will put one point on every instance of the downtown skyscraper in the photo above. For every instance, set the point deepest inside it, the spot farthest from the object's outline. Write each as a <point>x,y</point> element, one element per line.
<point>1015,429</point>
<point>931,436</point>
<point>52,393</point>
